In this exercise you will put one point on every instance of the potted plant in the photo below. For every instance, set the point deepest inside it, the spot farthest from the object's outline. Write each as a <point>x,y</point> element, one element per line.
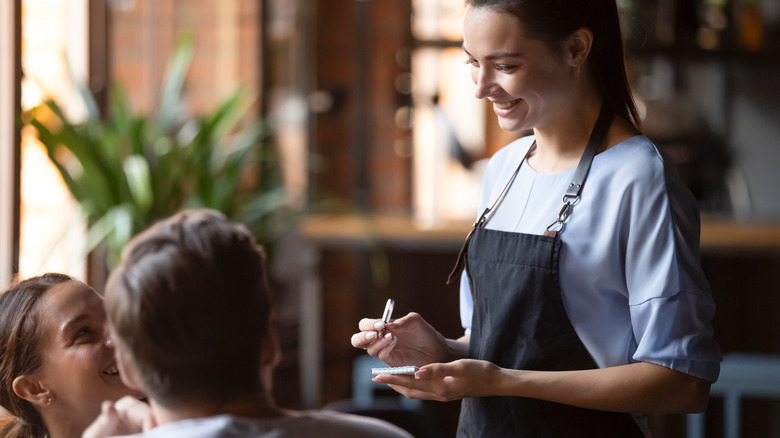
<point>127,170</point>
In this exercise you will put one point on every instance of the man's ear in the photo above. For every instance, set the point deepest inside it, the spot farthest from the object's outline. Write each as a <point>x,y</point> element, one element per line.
<point>270,356</point>
<point>271,352</point>
<point>29,388</point>
<point>578,45</point>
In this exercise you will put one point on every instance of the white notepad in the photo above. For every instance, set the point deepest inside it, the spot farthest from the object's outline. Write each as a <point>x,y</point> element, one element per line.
<point>408,369</point>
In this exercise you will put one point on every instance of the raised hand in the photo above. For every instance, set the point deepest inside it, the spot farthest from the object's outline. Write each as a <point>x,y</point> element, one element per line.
<point>126,416</point>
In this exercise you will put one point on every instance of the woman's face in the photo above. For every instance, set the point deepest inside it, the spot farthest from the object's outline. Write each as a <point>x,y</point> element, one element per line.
<point>78,364</point>
<point>525,79</point>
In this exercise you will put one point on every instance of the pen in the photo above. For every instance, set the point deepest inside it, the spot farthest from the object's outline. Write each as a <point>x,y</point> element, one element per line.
<point>386,315</point>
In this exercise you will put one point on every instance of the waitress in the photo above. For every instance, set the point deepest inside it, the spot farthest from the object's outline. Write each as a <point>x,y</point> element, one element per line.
<point>582,298</point>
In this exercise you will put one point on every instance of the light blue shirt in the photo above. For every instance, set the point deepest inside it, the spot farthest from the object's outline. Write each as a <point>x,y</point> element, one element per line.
<point>630,276</point>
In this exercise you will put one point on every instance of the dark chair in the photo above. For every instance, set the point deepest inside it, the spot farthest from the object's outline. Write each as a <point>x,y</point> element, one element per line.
<point>741,375</point>
<point>376,400</point>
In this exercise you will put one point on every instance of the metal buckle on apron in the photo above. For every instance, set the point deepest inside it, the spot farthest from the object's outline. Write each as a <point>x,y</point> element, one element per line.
<point>557,226</point>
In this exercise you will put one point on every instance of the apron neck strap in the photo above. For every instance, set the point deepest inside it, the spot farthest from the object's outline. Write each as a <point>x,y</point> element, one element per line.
<point>597,137</point>
<point>483,218</point>
<point>572,195</point>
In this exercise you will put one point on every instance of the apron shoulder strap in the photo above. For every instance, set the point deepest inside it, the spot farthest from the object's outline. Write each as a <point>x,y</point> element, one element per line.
<point>572,195</point>
<point>460,263</point>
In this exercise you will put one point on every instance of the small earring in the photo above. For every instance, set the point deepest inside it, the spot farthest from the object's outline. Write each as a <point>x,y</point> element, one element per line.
<point>109,342</point>
<point>48,401</point>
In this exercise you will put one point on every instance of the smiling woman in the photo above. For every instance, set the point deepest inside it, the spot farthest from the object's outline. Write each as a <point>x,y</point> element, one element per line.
<point>56,360</point>
<point>576,330</point>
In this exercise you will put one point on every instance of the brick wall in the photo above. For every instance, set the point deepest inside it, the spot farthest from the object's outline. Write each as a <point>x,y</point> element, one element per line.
<point>357,43</point>
<point>354,57</point>
<point>226,35</point>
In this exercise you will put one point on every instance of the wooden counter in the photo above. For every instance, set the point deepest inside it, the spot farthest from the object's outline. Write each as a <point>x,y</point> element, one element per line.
<point>330,230</point>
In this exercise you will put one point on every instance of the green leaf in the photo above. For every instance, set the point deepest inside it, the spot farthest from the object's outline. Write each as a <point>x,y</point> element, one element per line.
<point>175,73</point>
<point>138,180</point>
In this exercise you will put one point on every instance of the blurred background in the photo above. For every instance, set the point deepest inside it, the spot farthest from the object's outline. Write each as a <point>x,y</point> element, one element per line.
<point>346,134</point>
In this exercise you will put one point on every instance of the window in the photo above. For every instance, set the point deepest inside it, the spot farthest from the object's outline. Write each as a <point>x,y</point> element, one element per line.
<point>54,40</point>
<point>8,139</point>
<point>454,132</point>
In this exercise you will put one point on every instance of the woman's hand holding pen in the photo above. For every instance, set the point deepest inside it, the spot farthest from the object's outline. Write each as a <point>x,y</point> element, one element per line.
<point>407,341</point>
<point>448,381</point>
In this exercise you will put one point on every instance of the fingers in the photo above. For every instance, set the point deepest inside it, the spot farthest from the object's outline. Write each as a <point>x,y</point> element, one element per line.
<point>395,379</point>
<point>363,339</point>
<point>417,394</point>
<point>375,336</point>
<point>382,347</point>
<point>370,330</point>
<point>433,371</point>
<point>127,402</point>
<point>373,345</point>
<point>367,324</point>
<point>105,424</point>
<point>134,415</point>
<point>407,320</point>
<point>411,387</point>
<point>373,324</point>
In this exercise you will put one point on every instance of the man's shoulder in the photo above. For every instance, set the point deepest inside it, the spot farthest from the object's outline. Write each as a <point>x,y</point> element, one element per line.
<point>342,425</point>
<point>323,424</point>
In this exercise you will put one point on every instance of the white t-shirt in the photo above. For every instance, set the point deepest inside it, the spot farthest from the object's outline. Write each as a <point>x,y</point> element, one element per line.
<point>319,424</point>
<point>630,276</point>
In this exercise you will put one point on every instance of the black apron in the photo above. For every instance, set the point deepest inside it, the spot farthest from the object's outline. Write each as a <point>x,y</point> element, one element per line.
<point>519,322</point>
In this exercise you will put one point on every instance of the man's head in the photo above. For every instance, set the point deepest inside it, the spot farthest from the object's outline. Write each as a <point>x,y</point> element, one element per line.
<point>189,308</point>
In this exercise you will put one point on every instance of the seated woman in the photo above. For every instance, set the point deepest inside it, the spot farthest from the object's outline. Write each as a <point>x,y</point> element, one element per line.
<point>56,360</point>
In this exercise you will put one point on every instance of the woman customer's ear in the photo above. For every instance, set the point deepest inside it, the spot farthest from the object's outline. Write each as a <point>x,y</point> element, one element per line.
<point>29,388</point>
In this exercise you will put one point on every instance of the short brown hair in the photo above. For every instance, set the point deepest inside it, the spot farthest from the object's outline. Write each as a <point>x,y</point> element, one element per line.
<point>190,305</point>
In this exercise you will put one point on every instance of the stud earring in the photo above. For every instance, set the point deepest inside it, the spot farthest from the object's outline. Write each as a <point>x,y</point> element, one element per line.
<point>48,401</point>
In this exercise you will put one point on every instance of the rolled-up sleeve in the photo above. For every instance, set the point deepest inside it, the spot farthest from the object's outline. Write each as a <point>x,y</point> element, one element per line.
<point>670,300</point>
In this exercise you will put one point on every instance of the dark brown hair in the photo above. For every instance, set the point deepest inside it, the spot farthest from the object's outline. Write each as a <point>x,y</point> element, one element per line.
<point>552,21</point>
<point>20,337</point>
<point>190,305</point>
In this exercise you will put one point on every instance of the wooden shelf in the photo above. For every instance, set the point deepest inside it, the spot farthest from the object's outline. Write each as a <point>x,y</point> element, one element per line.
<point>389,230</point>
<point>717,234</point>
<point>767,54</point>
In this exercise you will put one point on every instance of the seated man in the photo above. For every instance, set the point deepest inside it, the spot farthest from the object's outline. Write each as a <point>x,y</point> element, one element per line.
<point>190,315</point>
